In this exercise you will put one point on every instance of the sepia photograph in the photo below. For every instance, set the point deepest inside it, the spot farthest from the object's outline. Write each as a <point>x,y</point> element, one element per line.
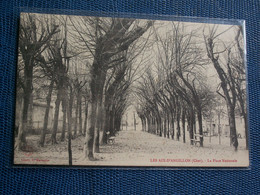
<point>128,92</point>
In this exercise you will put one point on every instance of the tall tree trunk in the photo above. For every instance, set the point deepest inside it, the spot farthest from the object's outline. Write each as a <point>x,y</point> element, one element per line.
<point>90,133</point>
<point>56,117</point>
<point>168,126</point>
<point>46,115</point>
<point>241,98</point>
<point>199,115</point>
<point>178,125</point>
<point>117,123</point>
<point>142,120</point>
<point>242,103</point>
<point>160,126</point>
<point>99,113</point>
<point>191,125</point>
<point>86,118</point>
<point>30,115</point>
<point>114,124</point>
<point>76,121</point>
<point>23,127</point>
<point>172,124</point>
<point>145,124</point>
<point>154,125</point>
<point>227,85</point>
<point>111,125</point>
<point>107,118</point>
<point>106,126</point>
<point>80,113</point>
<point>149,125</point>
<point>119,118</point>
<point>64,110</point>
<point>194,123</point>
<point>69,114</point>
<point>232,123</point>
<point>165,126</point>
<point>183,125</point>
<point>89,143</point>
<point>98,126</point>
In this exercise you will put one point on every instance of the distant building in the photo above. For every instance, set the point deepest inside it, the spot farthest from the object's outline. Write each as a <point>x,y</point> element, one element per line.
<point>38,115</point>
<point>215,123</point>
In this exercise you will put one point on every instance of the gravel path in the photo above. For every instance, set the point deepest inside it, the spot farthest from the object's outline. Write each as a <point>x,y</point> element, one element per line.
<point>137,148</point>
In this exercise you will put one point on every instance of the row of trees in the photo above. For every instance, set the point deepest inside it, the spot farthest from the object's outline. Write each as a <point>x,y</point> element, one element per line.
<point>177,92</point>
<point>85,65</point>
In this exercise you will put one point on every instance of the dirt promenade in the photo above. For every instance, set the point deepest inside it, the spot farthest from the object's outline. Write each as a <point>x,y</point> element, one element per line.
<point>137,148</point>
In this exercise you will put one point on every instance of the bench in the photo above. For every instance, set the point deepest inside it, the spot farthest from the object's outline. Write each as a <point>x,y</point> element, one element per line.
<point>196,140</point>
<point>111,140</point>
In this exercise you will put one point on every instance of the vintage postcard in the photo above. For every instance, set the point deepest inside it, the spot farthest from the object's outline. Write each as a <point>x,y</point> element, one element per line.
<point>108,91</point>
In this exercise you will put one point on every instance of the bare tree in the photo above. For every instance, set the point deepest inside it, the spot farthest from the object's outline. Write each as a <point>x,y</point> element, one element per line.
<point>226,76</point>
<point>34,38</point>
<point>238,64</point>
<point>109,38</point>
<point>182,60</point>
